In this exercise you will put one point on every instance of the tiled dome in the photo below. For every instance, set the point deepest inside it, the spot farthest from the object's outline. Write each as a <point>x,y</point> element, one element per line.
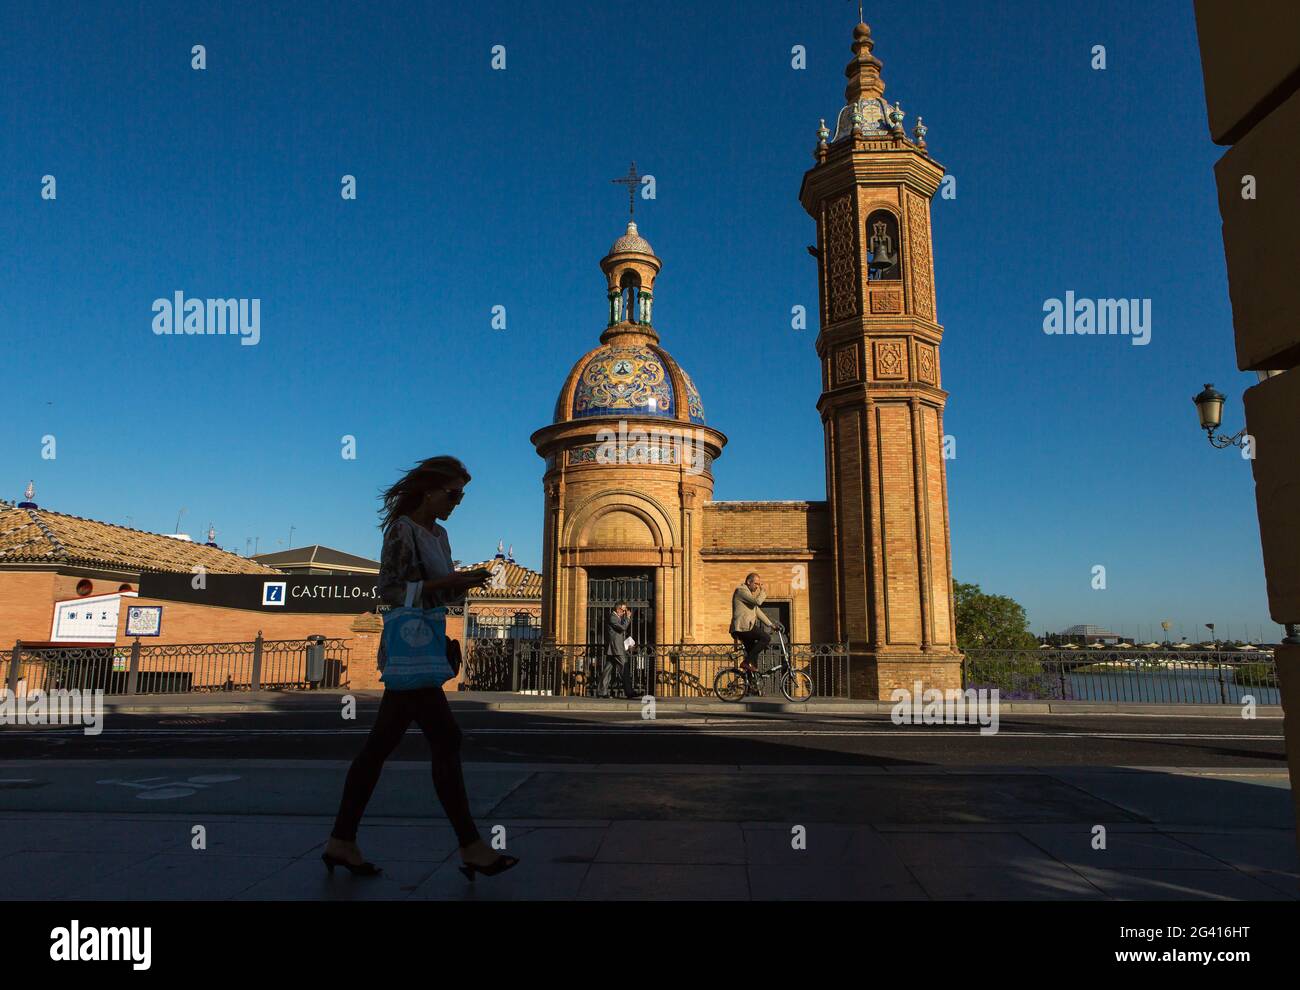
<point>630,380</point>
<point>693,403</point>
<point>631,241</point>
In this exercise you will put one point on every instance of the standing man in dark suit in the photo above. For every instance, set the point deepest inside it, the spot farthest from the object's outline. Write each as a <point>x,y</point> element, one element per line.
<point>616,627</point>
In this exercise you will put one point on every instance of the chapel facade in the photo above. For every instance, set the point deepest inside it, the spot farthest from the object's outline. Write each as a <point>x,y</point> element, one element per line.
<point>629,507</point>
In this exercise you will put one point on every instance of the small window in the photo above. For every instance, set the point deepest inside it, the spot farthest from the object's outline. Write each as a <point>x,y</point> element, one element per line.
<point>84,587</point>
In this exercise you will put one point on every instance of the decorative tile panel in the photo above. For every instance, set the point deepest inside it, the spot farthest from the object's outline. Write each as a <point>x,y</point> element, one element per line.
<point>623,380</point>
<point>694,405</point>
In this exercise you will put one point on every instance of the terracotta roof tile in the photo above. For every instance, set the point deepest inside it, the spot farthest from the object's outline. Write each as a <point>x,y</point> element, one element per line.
<point>42,536</point>
<point>520,581</point>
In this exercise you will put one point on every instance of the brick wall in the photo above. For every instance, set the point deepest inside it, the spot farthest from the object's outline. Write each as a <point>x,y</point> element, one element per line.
<point>767,525</point>
<point>187,622</point>
<point>788,544</point>
<point>26,606</point>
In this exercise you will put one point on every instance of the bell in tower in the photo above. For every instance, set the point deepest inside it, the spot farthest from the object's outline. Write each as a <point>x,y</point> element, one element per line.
<point>882,246</point>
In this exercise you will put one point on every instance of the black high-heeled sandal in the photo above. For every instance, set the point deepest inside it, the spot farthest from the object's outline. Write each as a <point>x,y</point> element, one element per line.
<point>499,865</point>
<point>356,869</point>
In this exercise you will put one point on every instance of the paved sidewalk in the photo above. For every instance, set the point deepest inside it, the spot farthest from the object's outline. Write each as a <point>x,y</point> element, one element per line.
<point>504,701</point>
<point>123,830</point>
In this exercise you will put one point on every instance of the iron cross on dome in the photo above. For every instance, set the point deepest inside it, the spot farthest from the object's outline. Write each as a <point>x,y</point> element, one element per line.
<point>632,180</point>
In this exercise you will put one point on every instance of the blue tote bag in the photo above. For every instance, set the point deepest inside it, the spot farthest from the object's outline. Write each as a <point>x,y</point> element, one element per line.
<point>415,645</point>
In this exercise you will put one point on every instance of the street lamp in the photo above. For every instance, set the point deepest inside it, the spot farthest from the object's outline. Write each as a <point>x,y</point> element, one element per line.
<point>1209,405</point>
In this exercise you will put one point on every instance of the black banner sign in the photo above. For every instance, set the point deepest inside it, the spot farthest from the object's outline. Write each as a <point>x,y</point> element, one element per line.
<point>267,592</point>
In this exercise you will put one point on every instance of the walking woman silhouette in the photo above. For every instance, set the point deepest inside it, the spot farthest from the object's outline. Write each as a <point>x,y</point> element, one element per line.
<point>417,552</point>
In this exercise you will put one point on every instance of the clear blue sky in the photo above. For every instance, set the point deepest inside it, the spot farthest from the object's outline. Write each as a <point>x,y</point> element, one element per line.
<point>479,188</point>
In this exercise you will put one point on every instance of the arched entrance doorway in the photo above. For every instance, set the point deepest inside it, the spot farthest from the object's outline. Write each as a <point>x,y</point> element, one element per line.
<point>606,587</point>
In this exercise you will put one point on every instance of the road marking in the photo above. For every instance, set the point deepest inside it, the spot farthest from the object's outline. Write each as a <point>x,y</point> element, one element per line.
<point>169,790</point>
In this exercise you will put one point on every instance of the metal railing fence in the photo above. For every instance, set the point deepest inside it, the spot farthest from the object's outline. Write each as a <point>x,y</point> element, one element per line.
<point>668,671</point>
<point>1124,676</point>
<point>262,664</point>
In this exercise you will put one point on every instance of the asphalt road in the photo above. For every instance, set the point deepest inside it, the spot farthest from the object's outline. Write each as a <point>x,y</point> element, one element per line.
<point>1109,740</point>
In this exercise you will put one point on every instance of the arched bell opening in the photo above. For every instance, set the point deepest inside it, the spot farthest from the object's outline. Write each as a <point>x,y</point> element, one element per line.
<point>884,249</point>
<point>631,292</point>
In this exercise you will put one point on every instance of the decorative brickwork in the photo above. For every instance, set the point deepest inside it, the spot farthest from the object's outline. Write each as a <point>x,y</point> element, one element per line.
<point>918,252</point>
<point>846,365</point>
<point>926,370</point>
<point>886,303</point>
<point>890,360</point>
<point>842,259</point>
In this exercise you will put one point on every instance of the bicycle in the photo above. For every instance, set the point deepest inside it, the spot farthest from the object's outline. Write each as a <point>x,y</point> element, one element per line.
<point>736,683</point>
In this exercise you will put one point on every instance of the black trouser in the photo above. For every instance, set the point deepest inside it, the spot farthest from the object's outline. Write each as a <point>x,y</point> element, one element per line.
<point>756,640</point>
<point>607,675</point>
<point>428,708</point>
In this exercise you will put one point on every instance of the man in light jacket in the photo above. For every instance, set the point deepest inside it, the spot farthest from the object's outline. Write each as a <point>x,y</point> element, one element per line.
<point>748,621</point>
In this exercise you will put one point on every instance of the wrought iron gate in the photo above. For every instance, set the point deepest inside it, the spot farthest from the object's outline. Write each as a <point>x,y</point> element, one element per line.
<point>606,587</point>
<point>497,640</point>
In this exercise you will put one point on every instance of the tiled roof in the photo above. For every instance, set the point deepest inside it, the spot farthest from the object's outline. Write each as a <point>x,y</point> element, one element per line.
<point>520,582</point>
<point>317,554</point>
<point>42,536</point>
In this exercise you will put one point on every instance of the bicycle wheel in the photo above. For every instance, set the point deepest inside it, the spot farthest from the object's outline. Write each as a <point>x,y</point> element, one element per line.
<point>797,685</point>
<point>729,685</point>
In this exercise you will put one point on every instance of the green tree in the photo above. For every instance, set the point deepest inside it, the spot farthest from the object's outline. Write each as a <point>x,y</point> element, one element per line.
<point>990,622</point>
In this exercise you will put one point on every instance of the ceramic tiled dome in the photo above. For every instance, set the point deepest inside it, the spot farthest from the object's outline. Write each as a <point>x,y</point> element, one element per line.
<point>631,241</point>
<point>623,380</point>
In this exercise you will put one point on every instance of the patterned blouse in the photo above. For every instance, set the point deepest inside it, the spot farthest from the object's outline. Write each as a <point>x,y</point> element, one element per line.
<point>400,572</point>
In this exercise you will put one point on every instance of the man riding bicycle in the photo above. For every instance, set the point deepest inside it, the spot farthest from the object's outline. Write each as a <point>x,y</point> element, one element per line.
<point>748,620</point>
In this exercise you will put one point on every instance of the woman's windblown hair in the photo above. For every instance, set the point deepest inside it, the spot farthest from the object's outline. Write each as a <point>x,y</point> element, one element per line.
<point>409,492</point>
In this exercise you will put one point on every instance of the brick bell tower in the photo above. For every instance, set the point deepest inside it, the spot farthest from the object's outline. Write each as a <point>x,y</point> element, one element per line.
<point>881,403</point>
